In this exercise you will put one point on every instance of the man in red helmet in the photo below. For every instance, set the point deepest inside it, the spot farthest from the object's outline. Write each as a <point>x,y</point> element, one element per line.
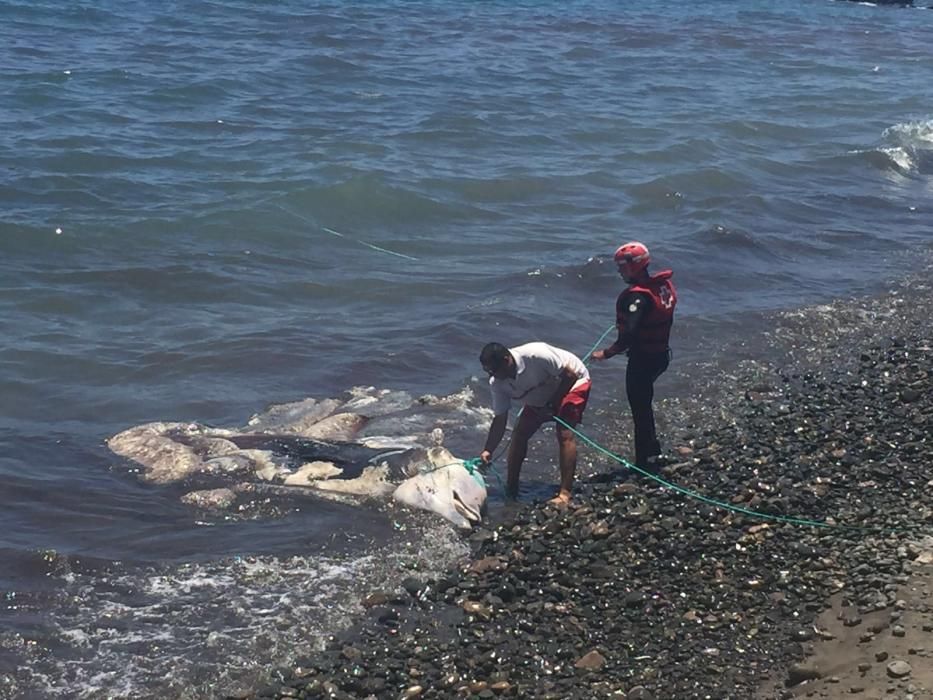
<point>644,314</point>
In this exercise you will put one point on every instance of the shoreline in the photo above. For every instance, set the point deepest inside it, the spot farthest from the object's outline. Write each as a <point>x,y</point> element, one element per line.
<point>881,653</point>
<point>636,592</point>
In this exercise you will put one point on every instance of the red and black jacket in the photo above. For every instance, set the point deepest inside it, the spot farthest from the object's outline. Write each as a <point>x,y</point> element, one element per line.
<point>652,331</point>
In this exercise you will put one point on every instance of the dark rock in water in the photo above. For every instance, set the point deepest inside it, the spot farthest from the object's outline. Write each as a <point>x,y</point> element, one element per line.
<point>387,616</point>
<point>413,586</point>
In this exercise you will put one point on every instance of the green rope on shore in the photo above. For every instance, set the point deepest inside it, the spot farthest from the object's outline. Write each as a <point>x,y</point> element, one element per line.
<point>722,504</point>
<point>476,468</point>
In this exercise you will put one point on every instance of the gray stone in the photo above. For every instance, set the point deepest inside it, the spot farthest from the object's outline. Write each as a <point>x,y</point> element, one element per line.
<point>591,661</point>
<point>899,669</point>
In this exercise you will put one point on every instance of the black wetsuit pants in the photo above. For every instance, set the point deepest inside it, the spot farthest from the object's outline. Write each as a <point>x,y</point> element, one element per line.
<point>642,371</point>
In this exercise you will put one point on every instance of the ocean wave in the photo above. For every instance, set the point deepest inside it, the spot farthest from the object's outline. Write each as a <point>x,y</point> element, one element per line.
<point>907,149</point>
<point>911,134</point>
<point>334,64</point>
<point>369,200</point>
<point>130,631</point>
<point>732,239</point>
<point>893,159</point>
<point>669,191</point>
<point>911,146</point>
<point>26,572</point>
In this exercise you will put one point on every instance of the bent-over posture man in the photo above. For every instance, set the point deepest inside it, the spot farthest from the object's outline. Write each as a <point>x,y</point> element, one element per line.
<point>549,382</point>
<point>644,315</point>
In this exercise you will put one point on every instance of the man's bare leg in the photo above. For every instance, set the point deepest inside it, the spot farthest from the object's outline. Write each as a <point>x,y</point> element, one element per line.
<point>518,449</point>
<point>525,427</point>
<point>568,465</point>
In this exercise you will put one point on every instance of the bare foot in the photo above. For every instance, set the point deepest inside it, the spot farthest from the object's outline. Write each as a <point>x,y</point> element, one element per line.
<point>561,500</point>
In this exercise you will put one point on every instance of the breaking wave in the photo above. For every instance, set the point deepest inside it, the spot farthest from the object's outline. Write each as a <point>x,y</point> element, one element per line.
<point>907,149</point>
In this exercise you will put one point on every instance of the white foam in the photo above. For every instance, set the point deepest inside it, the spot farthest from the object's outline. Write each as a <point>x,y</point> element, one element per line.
<point>213,619</point>
<point>901,158</point>
<point>77,637</point>
<point>199,629</point>
<point>914,133</point>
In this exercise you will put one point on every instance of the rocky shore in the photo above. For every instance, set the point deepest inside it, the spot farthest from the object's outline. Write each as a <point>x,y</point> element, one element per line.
<point>636,591</point>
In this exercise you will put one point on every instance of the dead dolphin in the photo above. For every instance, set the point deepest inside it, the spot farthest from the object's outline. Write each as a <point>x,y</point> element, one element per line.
<point>427,478</point>
<point>447,487</point>
<point>436,480</point>
<point>351,457</point>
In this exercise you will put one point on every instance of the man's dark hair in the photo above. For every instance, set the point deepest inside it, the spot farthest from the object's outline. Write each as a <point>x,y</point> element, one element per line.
<point>493,355</point>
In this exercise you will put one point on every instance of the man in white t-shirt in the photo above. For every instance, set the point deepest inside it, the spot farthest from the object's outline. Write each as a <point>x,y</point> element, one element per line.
<point>549,382</point>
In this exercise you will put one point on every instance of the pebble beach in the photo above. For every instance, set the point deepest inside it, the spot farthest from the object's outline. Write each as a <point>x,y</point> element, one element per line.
<point>640,591</point>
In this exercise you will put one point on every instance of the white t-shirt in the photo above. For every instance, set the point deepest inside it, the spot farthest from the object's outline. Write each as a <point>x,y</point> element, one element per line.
<point>537,374</point>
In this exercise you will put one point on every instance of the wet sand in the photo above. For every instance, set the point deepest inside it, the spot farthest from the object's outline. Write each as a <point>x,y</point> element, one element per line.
<point>888,654</point>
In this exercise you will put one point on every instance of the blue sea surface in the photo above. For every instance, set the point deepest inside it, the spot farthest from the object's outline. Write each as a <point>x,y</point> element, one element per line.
<point>208,209</point>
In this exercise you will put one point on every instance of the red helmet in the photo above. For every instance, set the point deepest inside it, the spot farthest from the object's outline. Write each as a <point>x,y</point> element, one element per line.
<point>632,259</point>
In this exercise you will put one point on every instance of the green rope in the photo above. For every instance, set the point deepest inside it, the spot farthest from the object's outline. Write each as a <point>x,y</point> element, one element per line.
<point>368,245</point>
<point>705,499</point>
<point>331,231</point>
<point>474,467</point>
<point>588,355</point>
<point>722,504</point>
